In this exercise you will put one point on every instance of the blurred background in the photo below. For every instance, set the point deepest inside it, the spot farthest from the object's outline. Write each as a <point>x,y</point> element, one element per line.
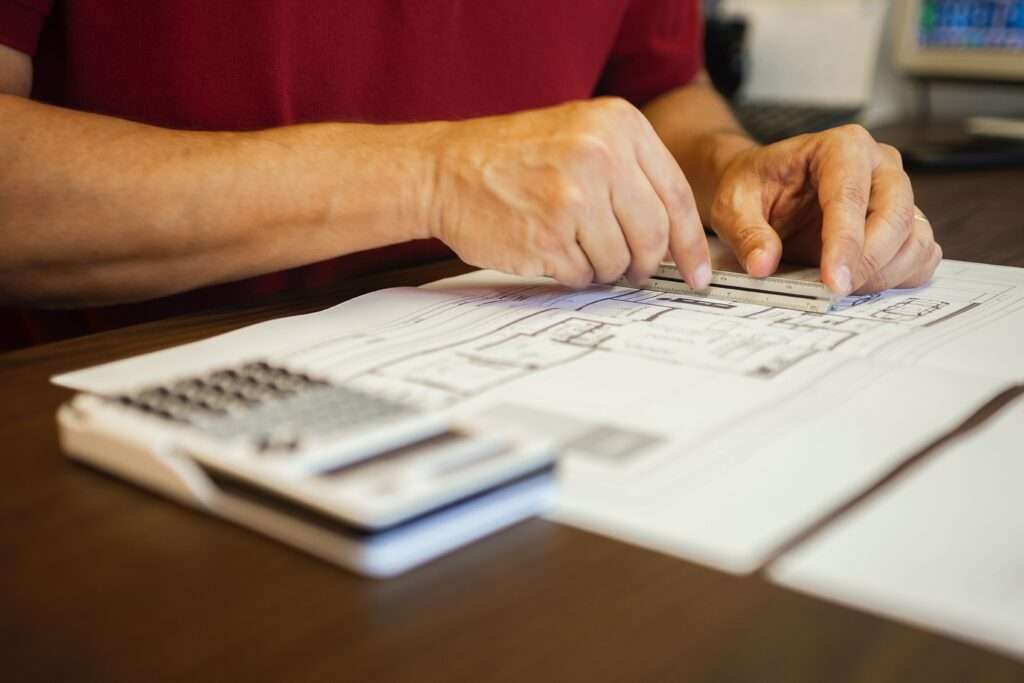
<point>944,79</point>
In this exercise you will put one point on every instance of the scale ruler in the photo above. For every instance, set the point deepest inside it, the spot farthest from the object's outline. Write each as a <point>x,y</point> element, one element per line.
<point>797,289</point>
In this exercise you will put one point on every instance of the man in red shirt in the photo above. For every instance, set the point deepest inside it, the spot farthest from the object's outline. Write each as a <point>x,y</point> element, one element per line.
<point>150,149</point>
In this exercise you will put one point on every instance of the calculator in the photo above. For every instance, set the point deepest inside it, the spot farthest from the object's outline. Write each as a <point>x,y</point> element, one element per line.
<point>365,481</point>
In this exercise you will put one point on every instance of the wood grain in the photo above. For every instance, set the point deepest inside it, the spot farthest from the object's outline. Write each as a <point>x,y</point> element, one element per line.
<point>102,581</point>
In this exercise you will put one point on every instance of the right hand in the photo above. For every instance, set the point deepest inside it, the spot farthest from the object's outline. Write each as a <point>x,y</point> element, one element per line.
<point>581,192</point>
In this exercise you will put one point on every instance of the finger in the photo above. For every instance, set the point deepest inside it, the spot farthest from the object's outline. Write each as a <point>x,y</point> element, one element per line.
<point>572,268</point>
<point>842,169</point>
<point>890,222</point>
<point>740,222</point>
<point>687,242</point>
<point>913,265</point>
<point>925,235</point>
<point>604,245</point>
<point>926,271</point>
<point>644,223</point>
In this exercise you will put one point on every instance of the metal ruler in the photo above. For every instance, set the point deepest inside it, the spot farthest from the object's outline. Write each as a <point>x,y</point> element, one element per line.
<point>799,289</point>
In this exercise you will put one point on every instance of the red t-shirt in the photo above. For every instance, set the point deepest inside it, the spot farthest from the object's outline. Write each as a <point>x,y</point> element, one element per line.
<point>250,64</point>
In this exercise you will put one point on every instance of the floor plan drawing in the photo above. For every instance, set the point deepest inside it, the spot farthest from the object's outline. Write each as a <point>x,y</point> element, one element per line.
<point>911,309</point>
<point>728,427</point>
<point>544,326</point>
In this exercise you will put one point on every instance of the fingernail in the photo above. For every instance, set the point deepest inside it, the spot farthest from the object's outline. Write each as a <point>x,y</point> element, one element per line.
<point>702,277</point>
<point>843,281</point>
<point>754,258</point>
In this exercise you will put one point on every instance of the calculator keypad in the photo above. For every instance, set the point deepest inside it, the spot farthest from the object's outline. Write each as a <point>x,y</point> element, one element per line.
<point>272,406</point>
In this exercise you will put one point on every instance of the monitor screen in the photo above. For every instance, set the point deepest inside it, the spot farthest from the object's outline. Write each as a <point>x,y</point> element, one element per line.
<point>972,24</point>
<point>975,39</point>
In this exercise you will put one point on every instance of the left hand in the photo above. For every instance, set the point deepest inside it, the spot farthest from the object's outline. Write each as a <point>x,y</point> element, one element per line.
<point>838,199</point>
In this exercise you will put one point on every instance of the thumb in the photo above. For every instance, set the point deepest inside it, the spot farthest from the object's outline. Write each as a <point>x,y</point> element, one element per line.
<point>743,227</point>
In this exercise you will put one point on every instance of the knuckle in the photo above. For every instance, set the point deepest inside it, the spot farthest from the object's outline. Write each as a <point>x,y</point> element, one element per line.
<point>855,133</point>
<point>900,221</point>
<point>721,211</point>
<point>591,148</point>
<point>580,276</point>
<point>679,202</point>
<point>870,267</point>
<point>891,155</point>
<point>922,237</point>
<point>744,236</point>
<point>905,219</point>
<point>615,107</point>
<point>852,195</point>
<point>682,218</point>
<point>544,240</point>
<point>570,268</point>
<point>566,198</point>
<point>552,266</point>
<point>618,265</point>
<point>924,243</point>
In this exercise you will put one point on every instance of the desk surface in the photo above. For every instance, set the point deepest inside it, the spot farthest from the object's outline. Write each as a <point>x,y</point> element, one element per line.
<point>104,581</point>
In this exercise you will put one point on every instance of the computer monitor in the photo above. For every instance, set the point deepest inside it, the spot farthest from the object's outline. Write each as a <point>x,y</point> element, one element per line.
<point>961,39</point>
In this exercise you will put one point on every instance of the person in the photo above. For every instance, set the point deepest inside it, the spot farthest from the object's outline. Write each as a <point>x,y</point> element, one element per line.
<point>156,151</point>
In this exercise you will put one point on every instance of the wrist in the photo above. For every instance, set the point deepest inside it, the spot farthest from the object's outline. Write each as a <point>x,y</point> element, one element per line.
<point>717,152</point>
<point>416,152</point>
<point>721,149</point>
<point>432,142</point>
<point>388,173</point>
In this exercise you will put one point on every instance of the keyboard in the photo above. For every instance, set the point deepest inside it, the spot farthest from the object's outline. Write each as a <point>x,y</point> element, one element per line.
<point>769,123</point>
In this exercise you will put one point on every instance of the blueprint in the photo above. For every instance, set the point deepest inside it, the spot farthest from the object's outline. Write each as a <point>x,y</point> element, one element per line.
<point>708,429</point>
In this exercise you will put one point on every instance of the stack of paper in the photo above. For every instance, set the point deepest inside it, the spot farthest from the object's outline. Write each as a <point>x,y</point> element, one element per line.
<point>941,546</point>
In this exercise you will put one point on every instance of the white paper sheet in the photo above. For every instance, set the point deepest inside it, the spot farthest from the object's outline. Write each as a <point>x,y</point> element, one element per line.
<point>739,425</point>
<point>942,546</point>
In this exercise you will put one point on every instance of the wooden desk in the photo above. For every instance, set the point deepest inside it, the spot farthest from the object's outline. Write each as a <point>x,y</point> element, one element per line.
<point>104,581</point>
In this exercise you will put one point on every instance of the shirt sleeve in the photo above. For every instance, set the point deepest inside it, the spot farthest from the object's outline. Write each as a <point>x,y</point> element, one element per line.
<point>21,21</point>
<point>660,46</point>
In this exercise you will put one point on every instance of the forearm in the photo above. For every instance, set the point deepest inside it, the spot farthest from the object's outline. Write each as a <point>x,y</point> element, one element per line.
<point>700,130</point>
<point>95,209</point>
